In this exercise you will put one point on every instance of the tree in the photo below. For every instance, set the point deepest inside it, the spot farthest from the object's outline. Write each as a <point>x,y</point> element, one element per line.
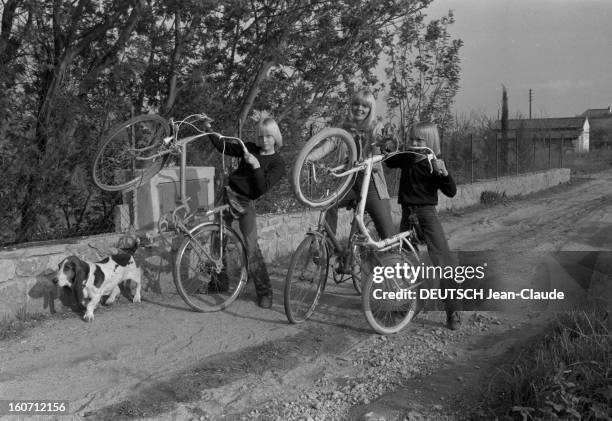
<point>423,70</point>
<point>73,69</point>
<point>61,40</point>
<point>505,145</point>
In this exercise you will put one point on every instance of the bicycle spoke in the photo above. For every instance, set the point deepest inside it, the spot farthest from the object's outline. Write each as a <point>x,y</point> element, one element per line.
<point>210,271</point>
<point>314,176</point>
<point>385,311</point>
<point>128,155</point>
<point>305,279</point>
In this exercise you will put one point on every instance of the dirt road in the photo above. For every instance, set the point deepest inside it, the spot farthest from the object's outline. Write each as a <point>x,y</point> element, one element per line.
<point>156,359</point>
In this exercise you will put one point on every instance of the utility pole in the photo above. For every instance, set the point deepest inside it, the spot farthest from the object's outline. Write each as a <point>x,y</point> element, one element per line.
<point>530,100</point>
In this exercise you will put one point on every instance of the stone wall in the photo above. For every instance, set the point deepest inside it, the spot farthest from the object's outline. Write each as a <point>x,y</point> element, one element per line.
<point>469,194</point>
<point>26,271</point>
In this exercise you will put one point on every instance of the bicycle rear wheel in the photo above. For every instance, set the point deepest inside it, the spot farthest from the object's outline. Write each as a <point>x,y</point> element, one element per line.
<point>387,313</point>
<point>305,279</point>
<point>123,161</point>
<point>313,181</point>
<point>210,273</point>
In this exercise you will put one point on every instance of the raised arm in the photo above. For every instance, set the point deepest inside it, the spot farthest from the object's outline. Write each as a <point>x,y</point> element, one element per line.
<point>228,148</point>
<point>327,147</point>
<point>395,161</point>
<point>447,185</point>
<point>264,181</point>
<point>401,160</point>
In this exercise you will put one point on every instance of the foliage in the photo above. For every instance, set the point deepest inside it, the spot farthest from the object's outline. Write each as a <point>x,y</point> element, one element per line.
<point>423,70</point>
<point>492,198</point>
<point>468,147</point>
<point>15,326</point>
<point>70,70</point>
<point>564,375</point>
<point>600,138</point>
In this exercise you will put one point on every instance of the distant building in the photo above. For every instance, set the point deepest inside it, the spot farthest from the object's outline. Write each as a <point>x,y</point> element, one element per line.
<point>573,131</point>
<point>598,113</point>
<point>600,120</point>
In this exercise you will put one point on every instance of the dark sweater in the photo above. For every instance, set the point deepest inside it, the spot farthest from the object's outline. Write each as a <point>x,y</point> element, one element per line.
<point>246,180</point>
<point>418,186</point>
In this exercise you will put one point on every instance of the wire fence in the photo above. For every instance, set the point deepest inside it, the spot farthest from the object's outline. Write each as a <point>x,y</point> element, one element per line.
<point>470,159</point>
<point>473,158</point>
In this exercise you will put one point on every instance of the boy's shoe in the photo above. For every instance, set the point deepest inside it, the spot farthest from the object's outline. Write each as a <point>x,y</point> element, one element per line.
<point>265,301</point>
<point>453,320</point>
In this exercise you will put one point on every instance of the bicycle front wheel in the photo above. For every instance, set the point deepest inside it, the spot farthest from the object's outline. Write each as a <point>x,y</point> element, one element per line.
<point>390,302</point>
<point>329,152</point>
<point>126,159</point>
<point>305,279</point>
<point>211,267</point>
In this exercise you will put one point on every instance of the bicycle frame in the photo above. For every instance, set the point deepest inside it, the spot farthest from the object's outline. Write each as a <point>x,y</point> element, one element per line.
<point>173,145</point>
<point>324,230</point>
<point>366,166</point>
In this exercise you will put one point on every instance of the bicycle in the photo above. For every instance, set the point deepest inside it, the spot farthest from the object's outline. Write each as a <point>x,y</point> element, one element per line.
<point>319,185</point>
<point>323,247</point>
<point>211,262</point>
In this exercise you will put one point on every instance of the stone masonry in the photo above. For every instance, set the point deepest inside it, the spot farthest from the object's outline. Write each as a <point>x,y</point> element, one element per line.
<point>26,271</point>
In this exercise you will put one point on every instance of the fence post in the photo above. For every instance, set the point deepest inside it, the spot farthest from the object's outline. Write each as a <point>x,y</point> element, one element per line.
<point>533,161</point>
<point>516,152</point>
<point>549,150</point>
<point>471,158</point>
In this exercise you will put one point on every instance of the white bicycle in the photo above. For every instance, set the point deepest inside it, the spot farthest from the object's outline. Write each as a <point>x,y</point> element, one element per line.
<point>322,183</point>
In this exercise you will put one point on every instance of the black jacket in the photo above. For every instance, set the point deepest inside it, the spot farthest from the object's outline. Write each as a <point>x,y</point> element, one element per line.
<point>246,180</point>
<point>418,186</point>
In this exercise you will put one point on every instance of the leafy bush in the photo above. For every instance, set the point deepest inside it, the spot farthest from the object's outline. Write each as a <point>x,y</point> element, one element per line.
<point>492,198</point>
<point>566,374</point>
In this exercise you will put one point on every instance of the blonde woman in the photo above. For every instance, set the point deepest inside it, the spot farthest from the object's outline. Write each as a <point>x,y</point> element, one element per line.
<point>259,170</point>
<point>418,195</point>
<point>362,119</point>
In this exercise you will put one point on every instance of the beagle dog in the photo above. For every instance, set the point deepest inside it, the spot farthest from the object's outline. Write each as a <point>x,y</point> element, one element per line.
<point>92,281</point>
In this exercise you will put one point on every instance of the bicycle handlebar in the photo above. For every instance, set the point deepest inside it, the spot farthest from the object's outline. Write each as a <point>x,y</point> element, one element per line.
<point>206,120</point>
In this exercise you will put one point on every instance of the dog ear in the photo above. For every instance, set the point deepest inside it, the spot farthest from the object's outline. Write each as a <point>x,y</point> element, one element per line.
<point>81,273</point>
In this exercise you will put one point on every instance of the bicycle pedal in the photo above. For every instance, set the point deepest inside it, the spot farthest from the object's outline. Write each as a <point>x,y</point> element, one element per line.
<point>341,270</point>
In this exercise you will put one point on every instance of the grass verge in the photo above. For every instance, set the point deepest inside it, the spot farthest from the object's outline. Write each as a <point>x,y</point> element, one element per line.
<point>491,198</point>
<point>14,326</point>
<point>565,374</point>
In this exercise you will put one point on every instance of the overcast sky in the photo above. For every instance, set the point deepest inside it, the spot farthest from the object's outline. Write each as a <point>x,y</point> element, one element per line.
<point>562,49</point>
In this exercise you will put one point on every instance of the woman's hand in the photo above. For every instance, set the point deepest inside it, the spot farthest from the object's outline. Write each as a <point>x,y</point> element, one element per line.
<point>439,167</point>
<point>251,160</point>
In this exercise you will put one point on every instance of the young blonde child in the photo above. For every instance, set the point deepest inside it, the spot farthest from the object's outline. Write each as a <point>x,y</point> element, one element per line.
<point>259,170</point>
<point>418,195</point>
